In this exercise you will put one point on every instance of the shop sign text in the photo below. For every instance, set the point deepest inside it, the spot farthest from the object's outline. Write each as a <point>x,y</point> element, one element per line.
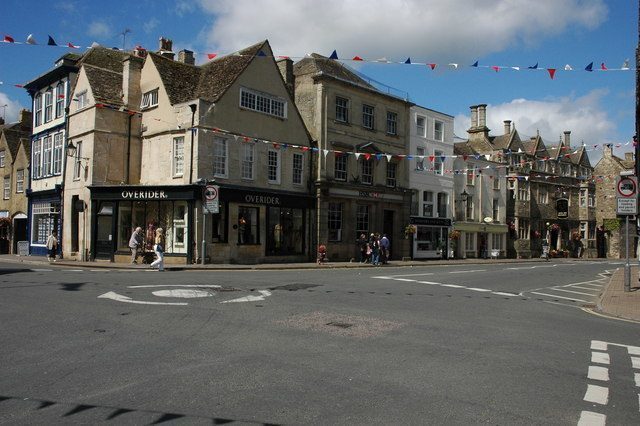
<point>367,194</point>
<point>144,195</point>
<point>262,199</point>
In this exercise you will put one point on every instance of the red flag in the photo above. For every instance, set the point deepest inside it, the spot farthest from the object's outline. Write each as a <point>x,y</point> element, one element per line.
<point>367,156</point>
<point>19,86</point>
<point>431,158</point>
<point>60,96</point>
<point>464,157</point>
<point>552,72</point>
<point>71,46</point>
<point>356,58</point>
<point>8,39</point>
<point>246,138</point>
<point>283,57</point>
<point>495,68</point>
<point>210,56</point>
<point>603,67</point>
<point>305,148</point>
<point>433,66</point>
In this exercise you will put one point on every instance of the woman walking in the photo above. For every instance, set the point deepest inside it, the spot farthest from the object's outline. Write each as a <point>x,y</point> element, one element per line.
<point>158,248</point>
<point>52,246</point>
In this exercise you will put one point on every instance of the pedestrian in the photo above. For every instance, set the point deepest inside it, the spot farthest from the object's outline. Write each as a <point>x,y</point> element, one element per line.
<point>385,245</point>
<point>362,248</point>
<point>322,254</point>
<point>375,250</point>
<point>52,246</point>
<point>135,244</point>
<point>158,248</point>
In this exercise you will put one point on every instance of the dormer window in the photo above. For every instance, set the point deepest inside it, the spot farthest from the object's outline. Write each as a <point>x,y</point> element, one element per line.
<point>82,99</point>
<point>150,99</point>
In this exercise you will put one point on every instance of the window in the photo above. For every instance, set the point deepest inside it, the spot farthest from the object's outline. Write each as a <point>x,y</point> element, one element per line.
<point>469,208</point>
<point>392,123</point>
<point>59,100</point>
<point>57,153</point>
<point>583,197</point>
<point>219,157</point>
<point>421,126</point>
<point>38,108</point>
<point>150,99</point>
<point>37,158</point>
<point>523,191</point>
<point>367,171</point>
<point>219,225</point>
<point>342,109</point>
<point>48,105</point>
<point>248,225</point>
<point>2,157</point>
<point>427,203</point>
<point>46,156</point>
<point>420,158</point>
<point>438,162</point>
<point>334,223</point>
<point>565,169</point>
<point>297,169</point>
<point>273,166</point>
<point>367,116</point>
<point>523,228</point>
<point>178,156</point>
<point>496,182</point>
<point>82,99</point>
<point>442,204</point>
<point>471,175</point>
<point>263,102</point>
<point>592,199</point>
<point>470,241</point>
<point>248,155</point>
<point>44,218</point>
<point>77,164</point>
<point>7,188</point>
<point>284,231</point>
<point>340,170</point>
<point>583,230</point>
<point>543,196</point>
<point>438,130</point>
<point>20,180</point>
<point>362,220</point>
<point>391,174</point>
<point>496,211</point>
<point>496,241</point>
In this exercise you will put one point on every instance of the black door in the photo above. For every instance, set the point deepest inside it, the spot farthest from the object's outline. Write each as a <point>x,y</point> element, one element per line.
<point>104,231</point>
<point>19,232</point>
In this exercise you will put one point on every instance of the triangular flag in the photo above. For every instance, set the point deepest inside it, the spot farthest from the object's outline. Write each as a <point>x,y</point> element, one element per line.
<point>356,58</point>
<point>389,157</point>
<point>433,66</point>
<point>464,157</point>
<point>589,67</point>
<point>210,56</point>
<point>334,55</point>
<point>443,158</point>
<point>367,156</point>
<point>51,42</point>
<point>325,152</point>
<point>495,68</point>
<point>31,40</point>
<point>261,53</point>
<point>515,68</point>
<point>283,57</point>
<point>71,46</point>
<point>431,158</point>
<point>534,67</point>
<point>305,148</point>
<point>475,64</point>
<point>408,61</point>
<point>552,72</point>
<point>95,44</point>
<point>357,154</point>
<point>8,39</point>
<point>487,156</point>
<point>383,59</point>
<point>625,65</point>
<point>568,68</point>
<point>603,67</point>
<point>378,156</point>
<point>454,66</point>
<point>20,86</point>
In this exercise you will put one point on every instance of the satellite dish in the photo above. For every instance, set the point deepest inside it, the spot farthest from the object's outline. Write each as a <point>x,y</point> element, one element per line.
<point>488,219</point>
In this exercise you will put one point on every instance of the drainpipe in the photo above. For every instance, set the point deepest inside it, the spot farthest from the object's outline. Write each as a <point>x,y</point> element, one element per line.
<point>128,165</point>
<point>193,107</point>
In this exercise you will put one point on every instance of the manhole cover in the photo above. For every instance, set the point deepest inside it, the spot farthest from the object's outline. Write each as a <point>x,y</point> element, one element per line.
<point>339,324</point>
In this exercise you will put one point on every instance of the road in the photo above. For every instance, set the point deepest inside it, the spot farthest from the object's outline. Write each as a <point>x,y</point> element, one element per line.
<point>464,344</point>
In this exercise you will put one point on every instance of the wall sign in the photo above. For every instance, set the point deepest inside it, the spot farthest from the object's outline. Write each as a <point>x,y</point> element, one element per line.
<point>562,208</point>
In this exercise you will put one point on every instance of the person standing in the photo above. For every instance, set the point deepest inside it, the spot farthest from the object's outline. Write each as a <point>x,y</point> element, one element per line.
<point>362,248</point>
<point>158,248</point>
<point>52,245</point>
<point>385,245</point>
<point>135,244</point>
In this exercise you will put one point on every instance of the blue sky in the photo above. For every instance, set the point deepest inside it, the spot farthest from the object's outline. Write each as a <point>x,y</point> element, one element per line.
<point>597,107</point>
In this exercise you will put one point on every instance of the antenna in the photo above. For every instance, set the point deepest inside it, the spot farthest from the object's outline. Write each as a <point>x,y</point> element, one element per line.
<point>124,36</point>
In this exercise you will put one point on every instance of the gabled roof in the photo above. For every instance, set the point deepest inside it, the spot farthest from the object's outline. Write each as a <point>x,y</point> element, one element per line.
<point>210,81</point>
<point>106,85</point>
<point>463,148</point>
<point>316,63</point>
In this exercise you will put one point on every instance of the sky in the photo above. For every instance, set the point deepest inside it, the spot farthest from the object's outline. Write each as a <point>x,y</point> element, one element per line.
<point>597,107</point>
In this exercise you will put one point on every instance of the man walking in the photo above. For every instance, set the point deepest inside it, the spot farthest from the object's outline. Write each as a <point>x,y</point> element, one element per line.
<point>385,245</point>
<point>135,244</point>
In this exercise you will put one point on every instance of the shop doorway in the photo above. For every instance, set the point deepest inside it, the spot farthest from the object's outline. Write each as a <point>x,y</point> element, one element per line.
<point>19,231</point>
<point>482,246</point>
<point>387,228</point>
<point>104,241</point>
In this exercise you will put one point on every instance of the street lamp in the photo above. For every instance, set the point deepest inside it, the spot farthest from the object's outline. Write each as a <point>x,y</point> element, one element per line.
<point>71,149</point>
<point>464,197</point>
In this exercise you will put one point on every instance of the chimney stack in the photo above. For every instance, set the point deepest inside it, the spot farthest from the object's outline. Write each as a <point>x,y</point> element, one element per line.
<point>140,52</point>
<point>507,127</point>
<point>567,138</point>
<point>286,69</point>
<point>482,115</point>
<point>25,119</point>
<point>186,57</point>
<point>131,71</point>
<point>607,150</point>
<point>628,156</point>
<point>474,116</point>
<point>166,48</point>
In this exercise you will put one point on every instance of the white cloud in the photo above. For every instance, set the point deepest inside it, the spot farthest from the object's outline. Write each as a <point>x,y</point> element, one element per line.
<point>434,29</point>
<point>100,29</point>
<point>184,6</point>
<point>10,111</point>
<point>150,25</point>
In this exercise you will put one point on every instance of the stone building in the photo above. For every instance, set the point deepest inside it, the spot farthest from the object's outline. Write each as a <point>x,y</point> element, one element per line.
<point>361,179</point>
<point>15,147</point>
<point>610,234</point>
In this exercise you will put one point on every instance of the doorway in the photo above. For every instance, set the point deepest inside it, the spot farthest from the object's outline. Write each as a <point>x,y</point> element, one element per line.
<point>104,243</point>
<point>19,231</point>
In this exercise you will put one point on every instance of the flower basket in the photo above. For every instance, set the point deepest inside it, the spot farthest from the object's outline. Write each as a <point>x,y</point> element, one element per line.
<point>454,235</point>
<point>410,230</point>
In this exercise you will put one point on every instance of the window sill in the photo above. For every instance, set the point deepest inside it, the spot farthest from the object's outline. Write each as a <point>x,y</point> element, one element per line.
<point>344,123</point>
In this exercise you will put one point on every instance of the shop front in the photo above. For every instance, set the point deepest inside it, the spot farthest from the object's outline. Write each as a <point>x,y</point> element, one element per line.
<point>257,226</point>
<point>481,240</point>
<point>431,239</point>
<point>44,217</point>
<point>117,210</point>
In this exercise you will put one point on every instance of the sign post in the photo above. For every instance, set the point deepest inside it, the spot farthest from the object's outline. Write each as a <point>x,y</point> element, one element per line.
<point>209,205</point>
<point>627,201</point>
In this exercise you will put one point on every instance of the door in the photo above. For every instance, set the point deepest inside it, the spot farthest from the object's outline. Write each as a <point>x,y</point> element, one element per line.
<point>104,244</point>
<point>387,228</point>
<point>19,232</point>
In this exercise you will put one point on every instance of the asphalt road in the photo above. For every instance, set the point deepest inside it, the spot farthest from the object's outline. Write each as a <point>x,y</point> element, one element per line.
<point>464,344</point>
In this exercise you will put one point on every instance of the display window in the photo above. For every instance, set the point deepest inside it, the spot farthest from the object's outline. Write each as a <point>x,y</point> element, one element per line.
<point>44,219</point>
<point>285,234</point>
<point>247,225</point>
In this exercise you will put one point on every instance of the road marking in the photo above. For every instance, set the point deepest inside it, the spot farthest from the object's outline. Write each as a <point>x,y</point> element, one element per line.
<point>121,298</point>
<point>589,418</point>
<point>600,358</point>
<point>506,294</point>
<point>477,289</point>
<point>42,270</point>
<point>560,297</point>
<point>587,288</point>
<point>597,394</point>
<point>571,291</point>
<point>405,275</point>
<point>175,285</point>
<point>452,285</point>
<point>635,362</point>
<point>637,377</point>
<point>429,282</point>
<point>404,279</point>
<point>467,272</point>
<point>264,293</point>
<point>598,345</point>
<point>182,293</point>
<point>598,373</point>
<point>633,350</point>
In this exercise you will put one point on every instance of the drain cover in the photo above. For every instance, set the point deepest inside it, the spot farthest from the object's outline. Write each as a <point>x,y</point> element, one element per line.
<point>339,324</point>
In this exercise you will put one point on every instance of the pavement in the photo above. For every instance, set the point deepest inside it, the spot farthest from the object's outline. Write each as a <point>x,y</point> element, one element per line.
<point>613,301</point>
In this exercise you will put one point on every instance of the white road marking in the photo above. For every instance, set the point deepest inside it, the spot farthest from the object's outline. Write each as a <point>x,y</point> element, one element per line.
<point>560,297</point>
<point>597,394</point>
<point>429,282</point>
<point>600,358</point>
<point>598,373</point>
<point>182,292</point>
<point>42,270</point>
<point>599,345</point>
<point>405,275</point>
<point>506,294</point>
<point>467,272</point>
<point>385,278</point>
<point>637,377</point>
<point>591,286</point>
<point>405,279</point>
<point>453,285</point>
<point>121,298</point>
<point>635,362</point>
<point>589,418</point>
<point>175,285</point>
<point>74,270</point>
<point>574,292</point>
<point>477,289</point>
<point>633,350</point>
<point>264,293</point>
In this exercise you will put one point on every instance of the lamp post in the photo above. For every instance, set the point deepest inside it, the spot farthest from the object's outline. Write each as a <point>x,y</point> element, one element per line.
<point>464,197</point>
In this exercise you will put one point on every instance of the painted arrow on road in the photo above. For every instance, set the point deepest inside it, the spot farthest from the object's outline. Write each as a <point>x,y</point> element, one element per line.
<point>264,293</point>
<point>120,298</point>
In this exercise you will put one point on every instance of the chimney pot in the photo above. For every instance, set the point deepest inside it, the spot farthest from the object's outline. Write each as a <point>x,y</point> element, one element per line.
<point>166,48</point>
<point>567,137</point>
<point>186,57</point>
<point>474,116</point>
<point>507,127</point>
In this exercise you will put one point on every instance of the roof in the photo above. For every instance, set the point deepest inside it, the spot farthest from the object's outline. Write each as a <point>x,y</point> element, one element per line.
<point>463,148</point>
<point>14,135</point>
<point>316,63</point>
<point>106,85</point>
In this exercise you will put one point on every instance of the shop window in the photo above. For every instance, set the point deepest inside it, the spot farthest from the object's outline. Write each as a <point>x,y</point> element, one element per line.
<point>362,220</point>
<point>248,225</point>
<point>179,231</point>
<point>470,241</point>
<point>427,203</point>
<point>297,169</point>
<point>340,170</point>
<point>285,234</point>
<point>496,241</point>
<point>583,230</point>
<point>125,225</point>
<point>219,225</point>
<point>335,221</point>
<point>44,218</point>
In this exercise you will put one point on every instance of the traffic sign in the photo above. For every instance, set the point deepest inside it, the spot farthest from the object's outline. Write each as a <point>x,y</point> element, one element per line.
<point>627,186</point>
<point>627,206</point>
<point>211,199</point>
<point>211,192</point>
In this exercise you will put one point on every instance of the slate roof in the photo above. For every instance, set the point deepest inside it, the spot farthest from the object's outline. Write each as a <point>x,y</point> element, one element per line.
<point>463,148</point>
<point>210,81</point>
<point>316,63</point>
<point>106,85</point>
<point>14,135</point>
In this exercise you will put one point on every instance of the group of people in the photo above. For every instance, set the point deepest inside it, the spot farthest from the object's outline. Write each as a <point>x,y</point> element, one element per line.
<point>136,244</point>
<point>374,250</point>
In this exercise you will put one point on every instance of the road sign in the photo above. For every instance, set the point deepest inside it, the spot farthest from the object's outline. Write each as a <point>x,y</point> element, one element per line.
<point>211,192</point>
<point>627,206</point>
<point>211,199</point>
<point>627,186</point>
